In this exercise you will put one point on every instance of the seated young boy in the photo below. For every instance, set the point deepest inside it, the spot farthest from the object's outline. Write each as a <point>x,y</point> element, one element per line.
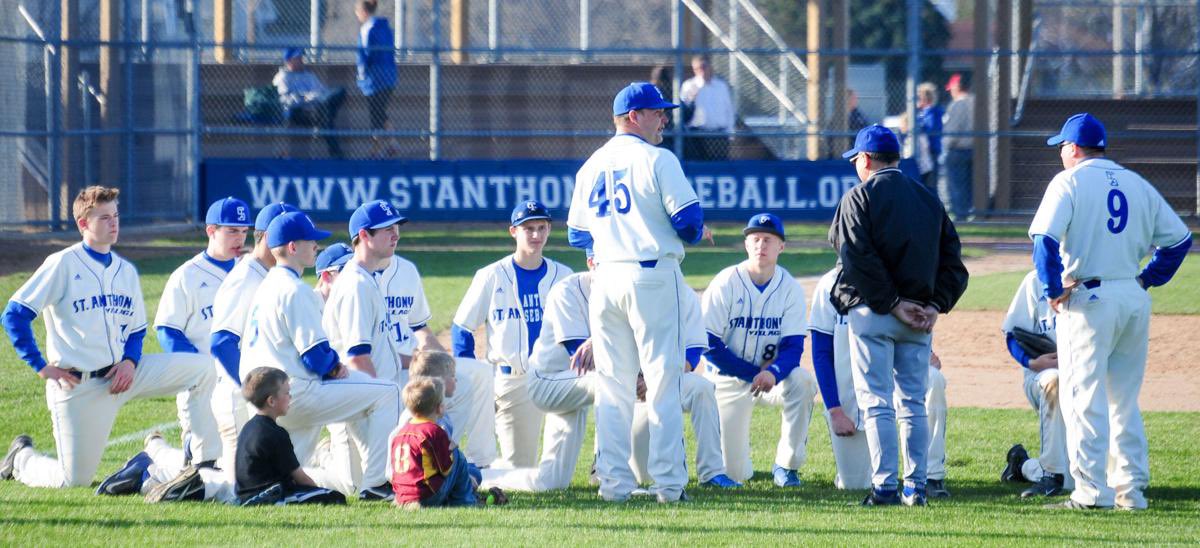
<point>267,471</point>
<point>426,469</point>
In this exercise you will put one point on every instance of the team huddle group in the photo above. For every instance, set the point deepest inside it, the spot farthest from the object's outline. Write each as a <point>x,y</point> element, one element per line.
<point>261,363</point>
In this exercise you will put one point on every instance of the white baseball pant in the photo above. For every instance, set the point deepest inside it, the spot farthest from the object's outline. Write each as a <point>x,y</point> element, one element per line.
<point>794,394</point>
<point>1103,338</point>
<point>472,410</point>
<point>638,328</point>
<point>851,455</point>
<point>369,407</point>
<point>566,399</point>
<point>1042,391</point>
<point>219,485</point>
<point>518,421</point>
<point>699,399</point>
<point>83,418</point>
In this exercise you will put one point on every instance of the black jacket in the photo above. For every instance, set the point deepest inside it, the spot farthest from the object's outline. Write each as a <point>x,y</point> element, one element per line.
<point>894,241</point>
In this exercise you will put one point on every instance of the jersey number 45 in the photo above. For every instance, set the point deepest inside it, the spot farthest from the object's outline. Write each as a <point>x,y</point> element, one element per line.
<point>621,199</point>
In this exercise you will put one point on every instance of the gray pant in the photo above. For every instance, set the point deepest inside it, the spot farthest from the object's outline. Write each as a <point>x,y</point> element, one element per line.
<point>888,356</point>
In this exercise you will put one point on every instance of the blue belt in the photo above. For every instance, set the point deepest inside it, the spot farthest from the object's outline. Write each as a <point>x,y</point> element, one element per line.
<point>1091,284</point>
<point>649,264</point>
<point>506,370</point>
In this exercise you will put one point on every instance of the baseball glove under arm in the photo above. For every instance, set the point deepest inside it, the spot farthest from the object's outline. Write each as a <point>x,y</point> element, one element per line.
<point>1032,343</point>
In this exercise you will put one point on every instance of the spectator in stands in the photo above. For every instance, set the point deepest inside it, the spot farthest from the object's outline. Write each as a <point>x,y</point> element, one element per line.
<point>959,118</point>
<point>305,100</point>
<point>711,103</point>
<point>660,76</point>
<point>855,119</point>
<point>929,148</point>
<point>376,62</point>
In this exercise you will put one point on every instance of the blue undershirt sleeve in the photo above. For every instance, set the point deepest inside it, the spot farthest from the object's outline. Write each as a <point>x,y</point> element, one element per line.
<point>358,350</point>
<point>788,358</point>
<point>18,322</point>
<point>579,238</point>
<point>689,223</point>
<point>226,348</point>
<point>1016,351</point>
<point>727,362</point>
<point>1165,262</point>
<point>823,366</point>
<point>133,346</point>
<point>173,340</point>
<point>572,345</point>
<point>1048,263</point>
<point>320,359</point>
<point>463,340</point>
<point>693,356</point>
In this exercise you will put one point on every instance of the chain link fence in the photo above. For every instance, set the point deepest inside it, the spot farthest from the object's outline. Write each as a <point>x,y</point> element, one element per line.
<point>141,104</point>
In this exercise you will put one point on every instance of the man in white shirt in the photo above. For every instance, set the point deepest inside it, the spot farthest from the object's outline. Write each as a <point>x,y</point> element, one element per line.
<point>306,101</point>
<point>710,102</point>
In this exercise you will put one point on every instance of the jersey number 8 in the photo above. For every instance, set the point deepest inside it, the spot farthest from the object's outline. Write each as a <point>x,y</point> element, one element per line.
<point>621,198</point>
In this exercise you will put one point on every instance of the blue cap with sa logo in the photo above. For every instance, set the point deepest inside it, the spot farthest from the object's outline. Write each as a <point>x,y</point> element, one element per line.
<point>375,214</point>
<point>228,211</point>
<point>293,226</point>
<point>638,96</point>
<point>529,211</point>
<point>334,257</point>
<point>765,222</point>
<point>268,214</point>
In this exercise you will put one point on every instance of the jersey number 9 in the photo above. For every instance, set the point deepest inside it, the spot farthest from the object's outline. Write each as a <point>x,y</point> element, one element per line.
<point>1118,211</point>
<point>621,198</point>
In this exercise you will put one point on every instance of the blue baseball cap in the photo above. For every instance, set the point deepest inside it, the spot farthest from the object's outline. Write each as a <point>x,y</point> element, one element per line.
<point>268,214</point>
<point>334,257</point>
<point>293,226</point>
<point>638,96</point>
<point>873,138</point>
<point>375,214</point>
<point>1082,129</point>
<point>289,53</point>
<point>529,211</point>
<point>228,211</point>
<point>765,222</point>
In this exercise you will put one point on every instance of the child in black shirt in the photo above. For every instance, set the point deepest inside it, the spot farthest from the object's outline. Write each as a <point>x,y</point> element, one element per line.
<point>267,471</point>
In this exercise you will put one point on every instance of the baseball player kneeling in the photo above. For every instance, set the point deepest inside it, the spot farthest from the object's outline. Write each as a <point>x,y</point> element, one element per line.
<point>1030,311</point>
<point>507,296</point>
<point>754,314</point>
<point>831,362</point>
<point>283,331</point>
<point>562,384</point>
<point>91,300</point>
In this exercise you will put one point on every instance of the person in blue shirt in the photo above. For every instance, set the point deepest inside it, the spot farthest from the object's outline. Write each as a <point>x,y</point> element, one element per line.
<point>376,62</point>
<point>929,148</point>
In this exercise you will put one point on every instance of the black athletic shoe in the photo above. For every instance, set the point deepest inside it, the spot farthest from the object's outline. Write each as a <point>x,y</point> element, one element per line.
<point>936,489</point>
<point>1051,485</point>
<point>1070,504</point>
<point>270,495</point>
<point>381,492</point>
<point>10,459</point>
<point>186,486</point>
<point>1017,456</point>
<point>881,498</point>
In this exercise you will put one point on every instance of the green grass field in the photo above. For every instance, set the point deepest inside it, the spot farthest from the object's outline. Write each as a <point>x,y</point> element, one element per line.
<point>982,511</point>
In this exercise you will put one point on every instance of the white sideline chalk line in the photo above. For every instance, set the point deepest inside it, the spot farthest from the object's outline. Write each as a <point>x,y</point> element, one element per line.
<point>139,436</point>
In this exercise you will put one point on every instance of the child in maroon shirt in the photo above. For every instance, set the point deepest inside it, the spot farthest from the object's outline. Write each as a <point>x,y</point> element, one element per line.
<point>426,469</point>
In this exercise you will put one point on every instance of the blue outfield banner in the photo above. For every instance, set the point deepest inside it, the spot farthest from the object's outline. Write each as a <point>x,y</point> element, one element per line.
<point>487,190</point>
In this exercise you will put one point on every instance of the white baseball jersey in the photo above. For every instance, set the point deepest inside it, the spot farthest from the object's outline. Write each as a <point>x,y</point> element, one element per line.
<point>231,304</point>
<point>625,195</point>
<point>89,310</point>
<point>1105,217</point>
<point>824,318</point>
<point>284,322</point>
<point>187,300</point>
<point>1030,309</point>
<point>749,321</point>
<point>566,318</point>
<point>493,299</point>
<point>404,295</point>
<point>356,314</point>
